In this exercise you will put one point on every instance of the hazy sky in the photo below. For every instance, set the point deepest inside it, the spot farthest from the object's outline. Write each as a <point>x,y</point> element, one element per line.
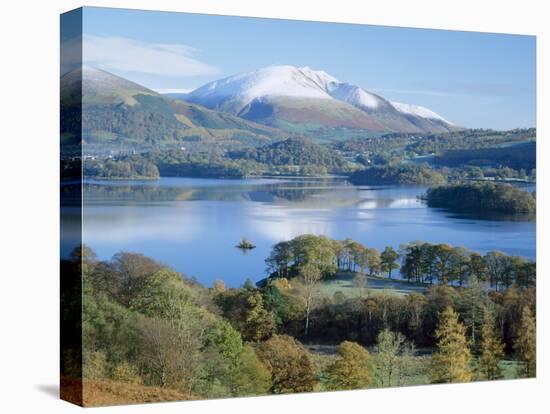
<point>477,80</point>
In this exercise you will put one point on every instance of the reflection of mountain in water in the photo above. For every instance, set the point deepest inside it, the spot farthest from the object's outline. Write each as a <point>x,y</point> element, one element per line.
<point>298,193</point>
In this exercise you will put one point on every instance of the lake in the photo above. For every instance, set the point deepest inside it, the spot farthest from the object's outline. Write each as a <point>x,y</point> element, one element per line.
<point>193,225</point>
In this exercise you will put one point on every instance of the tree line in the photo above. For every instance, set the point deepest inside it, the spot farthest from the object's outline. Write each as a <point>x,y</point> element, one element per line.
<point>418,262</point>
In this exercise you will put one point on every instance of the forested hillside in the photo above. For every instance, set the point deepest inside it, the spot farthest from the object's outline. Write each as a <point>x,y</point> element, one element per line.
<point>150,333</point>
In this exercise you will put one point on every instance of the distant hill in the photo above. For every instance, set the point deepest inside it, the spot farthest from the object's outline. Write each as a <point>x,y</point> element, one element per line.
<point>122,116</point>
<point>293,152</point>
<point>520,155</point>
<point>302,100</point>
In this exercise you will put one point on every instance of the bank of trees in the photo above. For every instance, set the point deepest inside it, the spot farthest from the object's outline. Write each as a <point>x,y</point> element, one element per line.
<point>484,197</point>
<point>400,174</point>
<point>147,326</point>
<point>293,152</point>
<point>129,168</point>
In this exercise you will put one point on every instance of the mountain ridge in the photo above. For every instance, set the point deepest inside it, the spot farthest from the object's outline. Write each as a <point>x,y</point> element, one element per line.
<point>273,88</point>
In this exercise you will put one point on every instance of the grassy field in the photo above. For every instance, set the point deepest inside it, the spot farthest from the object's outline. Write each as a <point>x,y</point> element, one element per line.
<point>343,282</point>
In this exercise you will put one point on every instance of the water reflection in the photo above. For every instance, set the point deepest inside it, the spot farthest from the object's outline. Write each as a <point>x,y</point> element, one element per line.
<point>194,224</point>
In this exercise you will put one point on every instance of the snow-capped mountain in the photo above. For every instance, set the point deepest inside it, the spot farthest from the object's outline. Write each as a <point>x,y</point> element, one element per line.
<point>302,98</point>
<point>417,110</point>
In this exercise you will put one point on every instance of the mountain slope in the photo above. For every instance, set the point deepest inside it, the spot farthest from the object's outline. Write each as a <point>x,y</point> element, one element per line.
<point>120,115</point>
<point>302,99</point>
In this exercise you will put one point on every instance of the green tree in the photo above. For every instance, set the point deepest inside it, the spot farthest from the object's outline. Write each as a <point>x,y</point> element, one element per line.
<point>314,250</point>
<point>249,284</point>
<point>251,376</point>
<point>492,349</point>
<point>389,259</point>
<point>389,346</point>
<point>351,368</point>
<point>451,362</point>
<point>246,312</point>
<point>472,306</point>
<point>259,322</point>
<point>526,343</point>
<point>289,363</point>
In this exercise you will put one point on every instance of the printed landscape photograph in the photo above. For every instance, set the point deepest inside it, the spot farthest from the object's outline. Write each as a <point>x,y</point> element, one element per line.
<point>256,206</point>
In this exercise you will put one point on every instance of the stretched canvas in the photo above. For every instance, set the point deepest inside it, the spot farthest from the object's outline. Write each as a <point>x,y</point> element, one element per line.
<point>262,206</point>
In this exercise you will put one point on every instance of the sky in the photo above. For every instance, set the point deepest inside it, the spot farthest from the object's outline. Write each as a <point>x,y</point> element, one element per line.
<point>476,80</point>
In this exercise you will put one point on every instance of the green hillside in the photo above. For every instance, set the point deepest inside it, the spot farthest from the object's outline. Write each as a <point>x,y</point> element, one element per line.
<point>122,116</point>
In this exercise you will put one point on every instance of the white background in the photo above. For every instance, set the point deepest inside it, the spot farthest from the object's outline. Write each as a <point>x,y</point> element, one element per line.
<point>29,203</point>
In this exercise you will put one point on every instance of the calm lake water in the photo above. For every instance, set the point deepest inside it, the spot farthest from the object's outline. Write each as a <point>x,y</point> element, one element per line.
<point>192,225</point>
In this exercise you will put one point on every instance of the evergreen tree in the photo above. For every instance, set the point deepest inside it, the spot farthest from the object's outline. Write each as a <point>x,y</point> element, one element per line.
<point>492,349</point>
<point>526,342</point>
<point>472,309</point>
<point>451,362</point>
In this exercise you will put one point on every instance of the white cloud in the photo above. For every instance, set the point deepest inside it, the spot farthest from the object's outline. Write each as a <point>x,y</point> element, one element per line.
<point>123,54</point>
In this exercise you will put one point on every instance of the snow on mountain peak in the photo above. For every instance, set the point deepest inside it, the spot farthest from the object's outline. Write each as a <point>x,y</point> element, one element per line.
<point>236,92</point>
<point>418,110</point>
<point>270,81</point>
<point>354,95</point>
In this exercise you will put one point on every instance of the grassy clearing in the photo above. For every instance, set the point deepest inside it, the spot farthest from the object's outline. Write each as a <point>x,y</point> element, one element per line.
<point>343,282</point>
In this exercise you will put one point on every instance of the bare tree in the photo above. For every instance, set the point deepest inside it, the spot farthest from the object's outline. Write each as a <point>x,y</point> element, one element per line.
<point>310,276</point>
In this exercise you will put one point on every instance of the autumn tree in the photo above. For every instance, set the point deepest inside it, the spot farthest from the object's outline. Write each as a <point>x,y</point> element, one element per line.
<point>246,311</point>
<point>351,368</point>
<point>492,349</point>
<point>374,261</point>
<point>219,286</point>
<point>451,362</point>
<point>526,342</point>
<point>289,363</point>
<point>388,260</point>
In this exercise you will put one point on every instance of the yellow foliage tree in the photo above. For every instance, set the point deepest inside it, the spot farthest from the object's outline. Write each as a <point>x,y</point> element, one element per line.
<point>526,342</point>
<point>351,368</point>
<point>492,349</point>
<point>290,365</point>
<point>451,362</point>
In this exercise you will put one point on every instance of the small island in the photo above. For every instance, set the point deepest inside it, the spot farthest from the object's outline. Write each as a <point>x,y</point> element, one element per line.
<point>245,244</point>
<point>483,197</point>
